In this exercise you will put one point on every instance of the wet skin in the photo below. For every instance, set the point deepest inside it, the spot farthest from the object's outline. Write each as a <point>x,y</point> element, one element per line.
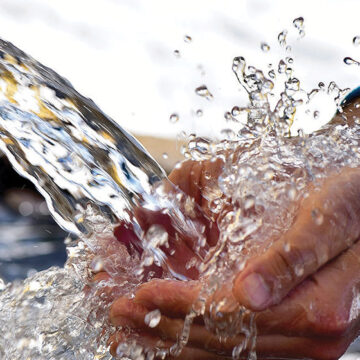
<point>314,313</point>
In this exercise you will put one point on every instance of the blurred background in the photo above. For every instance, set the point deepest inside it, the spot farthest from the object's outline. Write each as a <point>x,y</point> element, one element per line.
<point>141,62</point>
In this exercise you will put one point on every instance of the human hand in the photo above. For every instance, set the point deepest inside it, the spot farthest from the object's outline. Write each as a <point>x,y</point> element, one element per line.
<point>317,315</point>
<point>306,297</point>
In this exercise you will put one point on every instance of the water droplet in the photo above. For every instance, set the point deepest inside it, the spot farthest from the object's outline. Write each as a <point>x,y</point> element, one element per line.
<point>317,216</point>
<point>272,74</point>
<point>282,38</point>
<point>292,193</point>
<point>228,133</point>
<point>288,48</point>
<point>235,111</point>
<point>203,91</point>
<point>293,85</point>
<point>316,114</point>
<point>174,118</point>
<point>287,246</point>
<point>239,63</point>
<point>199,113</point>
<point>265,47</point>
<point>321,85</point>
<point>153,318</point>
<point>157,236</point>
<point>300,132</point>
<point>349,61</point>
<point>356,40</point>
<point>299,22</point>
<point>2,285</point>
<point>187,39</point>
<point>282,67</point>
<point>249,202</point>
<point>165,155</point>
<point>289,60</point>
<point>227,116</point>
<point>97,265</point>
<point>299,270</point>
<point>177,53</point>
<point>148,260</point>
<point>312,93</point>
<point>269,174</point>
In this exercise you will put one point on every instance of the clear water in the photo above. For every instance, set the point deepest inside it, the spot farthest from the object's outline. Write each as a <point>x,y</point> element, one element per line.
<point>93,175</point>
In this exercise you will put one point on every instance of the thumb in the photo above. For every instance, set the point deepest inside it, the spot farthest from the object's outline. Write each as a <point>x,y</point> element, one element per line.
<point>327,223</point>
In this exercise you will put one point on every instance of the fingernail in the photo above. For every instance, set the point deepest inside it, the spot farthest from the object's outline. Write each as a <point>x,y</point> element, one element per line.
<point>256,291</point>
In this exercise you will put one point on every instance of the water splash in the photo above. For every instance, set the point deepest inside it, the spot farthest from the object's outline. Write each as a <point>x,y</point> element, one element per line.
<point>266,172</point>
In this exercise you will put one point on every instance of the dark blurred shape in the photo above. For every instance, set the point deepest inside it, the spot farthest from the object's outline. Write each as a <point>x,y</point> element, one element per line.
<point>30,240</point>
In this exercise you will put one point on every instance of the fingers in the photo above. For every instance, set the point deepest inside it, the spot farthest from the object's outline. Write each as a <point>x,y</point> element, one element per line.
<point>202,342</point>
<point>324,305</point>
<point>174,298</point>
<point>327,223</point>
<point>155,347</point>
<point>128,313</point>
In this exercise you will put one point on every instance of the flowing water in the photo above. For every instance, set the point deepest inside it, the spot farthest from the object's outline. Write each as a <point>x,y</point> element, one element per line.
<point>95,176</point>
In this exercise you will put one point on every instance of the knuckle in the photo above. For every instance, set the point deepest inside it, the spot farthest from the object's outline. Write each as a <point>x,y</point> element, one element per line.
<point>284,264</point>
<point>331,319</point>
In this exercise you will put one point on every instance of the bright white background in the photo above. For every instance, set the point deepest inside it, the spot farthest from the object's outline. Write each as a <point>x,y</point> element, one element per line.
<point>120,52</point>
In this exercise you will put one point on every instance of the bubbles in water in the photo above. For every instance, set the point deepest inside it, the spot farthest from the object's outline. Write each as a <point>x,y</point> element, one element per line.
<point>174,118</point>
<point>316,114</point>
<point>356,40</point>
<point>264,47</point>
<point>177,53</point>
<point>203,91</point>
<point>152,319</point>
<point>165,155</point>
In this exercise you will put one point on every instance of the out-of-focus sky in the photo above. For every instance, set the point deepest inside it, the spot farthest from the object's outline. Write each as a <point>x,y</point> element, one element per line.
<point>121,52</point>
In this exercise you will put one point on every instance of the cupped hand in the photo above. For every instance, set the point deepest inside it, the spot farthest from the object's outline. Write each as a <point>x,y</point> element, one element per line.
<point>304,289</point>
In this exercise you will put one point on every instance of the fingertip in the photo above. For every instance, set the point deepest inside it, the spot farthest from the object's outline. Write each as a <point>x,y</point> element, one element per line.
<point>252,291</point>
